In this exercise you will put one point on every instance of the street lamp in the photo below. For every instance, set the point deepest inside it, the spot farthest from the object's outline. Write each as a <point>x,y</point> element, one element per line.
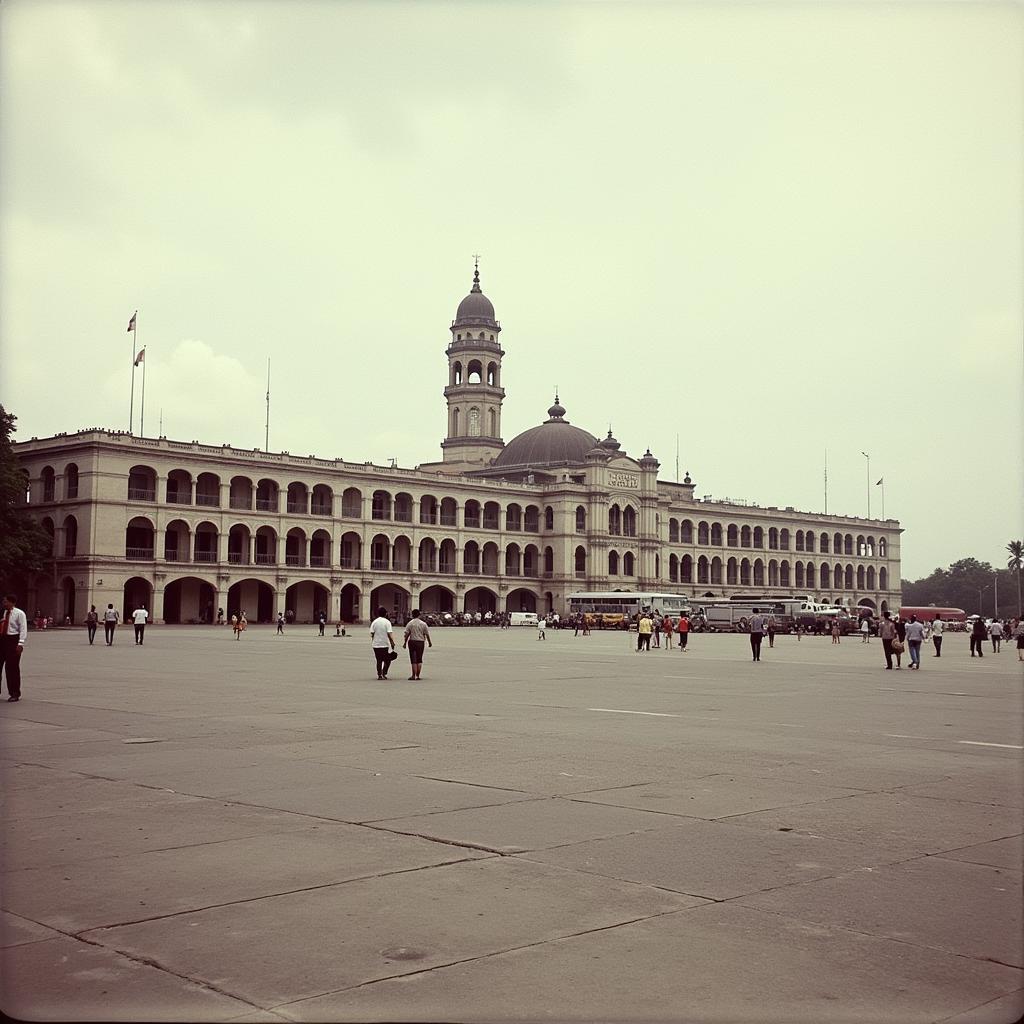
<point>868,457</point>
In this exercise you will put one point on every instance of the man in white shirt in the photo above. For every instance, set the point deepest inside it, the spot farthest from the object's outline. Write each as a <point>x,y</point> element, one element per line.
<point>111,617</point>
<point>382,640</point>
<point>938,626</point>
<point>139,617</point>
<point>996,633</point>
<point>915,634</point>
<point>13,634</point>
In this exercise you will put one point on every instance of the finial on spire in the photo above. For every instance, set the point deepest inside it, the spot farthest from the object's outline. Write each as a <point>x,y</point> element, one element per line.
<point>476,272</point>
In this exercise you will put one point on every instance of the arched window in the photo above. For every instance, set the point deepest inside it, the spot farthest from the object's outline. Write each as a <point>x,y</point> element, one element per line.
<point>687,569</point>
<point>703,533</point>
<point>71,480</point>
<point>784,573</point>
<point>823,544</point>
<point>758,537</point>
<point>784,539</point>
<point>745,572</point>
<point>799,546</point>
<point>883,578</point>
<point>627,564</point>
<point>531,519</point>
<point>849,577</point>
<point>615,520</point>
<point>702,569</point>
<point>352,503</point>
<point>837,578</point>
<point>860,577</point>
<point>686,532</point>
<point>513,517</point>
<point>716,534</point>
<point>799,573</point>
<point>882,547</point>
<point>745,537</point>
<point>70,536</point>
<point>809,541</point>
<point>731,572</point>
<point>471,514</point>
<point>848,544</point>
<point>758,573</point>
<point>492,423</point>
<point>673,569</point>
<point>673,531</point>
<point>773,539</point>
<point>549,561</point>
<point>732,536</point>
<point>716,571</point>
<point>581,519</point>
<point>471,558</point>
<point>580,560</point>
<point>549,518</point>
<point>381,507</point>
<point>613,563</point>
<point>871,577</point>
<point>629,521</point>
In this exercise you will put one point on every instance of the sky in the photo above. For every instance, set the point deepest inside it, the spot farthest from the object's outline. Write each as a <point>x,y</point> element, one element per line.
<point>768,230</point>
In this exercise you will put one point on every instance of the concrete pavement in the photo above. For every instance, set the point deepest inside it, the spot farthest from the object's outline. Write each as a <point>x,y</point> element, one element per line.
<point>203,829</point>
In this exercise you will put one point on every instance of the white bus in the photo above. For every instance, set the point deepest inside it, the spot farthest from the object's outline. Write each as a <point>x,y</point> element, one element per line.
<point>617,608</point>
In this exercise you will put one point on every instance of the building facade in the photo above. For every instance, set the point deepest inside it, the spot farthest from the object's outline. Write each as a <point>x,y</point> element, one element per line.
<point>190,528</point>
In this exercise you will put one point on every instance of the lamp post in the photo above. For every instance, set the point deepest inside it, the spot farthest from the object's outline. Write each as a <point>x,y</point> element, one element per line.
<point>995,596</point>
<point>868,457</point>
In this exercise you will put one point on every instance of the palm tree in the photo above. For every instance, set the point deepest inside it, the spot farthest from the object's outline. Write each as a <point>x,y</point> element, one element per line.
<point>1016,549</point>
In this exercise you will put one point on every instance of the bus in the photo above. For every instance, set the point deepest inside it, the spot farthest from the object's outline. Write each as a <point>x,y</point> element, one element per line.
<point>616,609</point>
<point>927,614</point>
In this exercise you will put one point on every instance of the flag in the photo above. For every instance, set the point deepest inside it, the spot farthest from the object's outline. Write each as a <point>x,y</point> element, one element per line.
<point>139,357</point>
<point>131,323</point>
<point>879,484</point>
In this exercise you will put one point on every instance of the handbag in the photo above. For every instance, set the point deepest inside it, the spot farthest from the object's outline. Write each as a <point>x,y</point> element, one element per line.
<point>897,646</point>
<point>392,655</point>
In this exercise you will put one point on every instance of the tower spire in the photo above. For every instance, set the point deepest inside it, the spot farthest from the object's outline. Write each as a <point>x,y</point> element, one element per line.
<point>476,272</point>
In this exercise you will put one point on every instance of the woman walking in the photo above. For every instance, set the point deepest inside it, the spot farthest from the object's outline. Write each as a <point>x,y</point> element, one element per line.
<point>901,635</point>
<point>91,621</point>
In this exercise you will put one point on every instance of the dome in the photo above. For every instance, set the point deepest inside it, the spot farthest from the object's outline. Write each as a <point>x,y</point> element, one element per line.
<point>554,441</point>
<point>476,306</point>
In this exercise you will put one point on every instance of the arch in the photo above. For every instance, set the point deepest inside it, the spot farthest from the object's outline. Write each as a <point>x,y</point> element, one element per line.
<point>703,569</point>
<point>265,546</point>
<point>549,561</point>
<point>882,548</point>
<point>629,521</point>
<point>531,560</point>
<point>436,599</point>
<point>581,519</point>
<point>71,488</point>
<point>480,599</point>
<point>732,572</point>
<point>799,541</point>
<point>673,531</point>
<point>489,559</point>
<point>474,372</point>
<point>306,599</point>
<point>492,423</point>
<point>758,537</point>
<point>138,538</point>
<point>492,374</point>
<point>716,570</point>
<point>870,547</point>
<point>471,557</point>
<point>350,554</point>
<point>320,549</point>
<point>208,490</point>
<point>799,580</point>
<point>268,497</point>
<point>837,577</point>
<point>745,537</point>
<point>48,479</point>
<point>861,545</point>
<point>240,493</point>
<point>883,578</point>
<point>67,600</point>
<point>824,576</point>
<point>403,507</point>
<point>784,539</point>
<point>189,599</point>
<point>239,544</point>
<point>449,512</point>
<point>348,603</point>
<point>455,422</point>
<point>871,578</point>
<point>758,572</point>
<point>492,516</point>
<point>297,500</point>
<point>295,547</point>
<point>773,539</point>
<point>137,593</point>
<point>837,544</point>
<point>531,519</point>
<point>471,514</point>
<point>321,502</point>
<point>823,543</point>
<point>784,573</point>
<point>401,554</point>
<point>615,520</point>
<point>521,600</point>
<point>686,569</point>
<point>673,569</point>
<point>352,503</point>
<point>549,517</point>
<point>141,484</point>
<point>860,577</point>
<point>686,532</point>
<point>179,487</point>
<point>848,578</point>
<point>716,534</point>
<point>745,573</point>
<point>447,557</point>
<point>809,541</point>
<point>866,602</point>
<point>177,541</point>
<point>426,556</point>
<point>514,517</point>
<point>394,599</point>
<point>703,533</point>
<point>848,544</point>
<point>613,563</point>
<point>580,561</point>
<point>205,543</point>
<point>70,537</point>
<point>380,505</point>
<point>254,597</point>
<point>456,376</point>
<point>810,576</point>
<point>773,573</point>
<point>628,564</point>
<point>732,536</point>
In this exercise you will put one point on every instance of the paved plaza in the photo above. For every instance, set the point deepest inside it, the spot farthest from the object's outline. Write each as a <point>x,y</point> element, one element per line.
<point>203,829</point>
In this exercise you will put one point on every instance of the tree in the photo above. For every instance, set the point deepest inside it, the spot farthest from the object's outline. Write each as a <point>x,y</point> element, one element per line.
<point>1016,549</point>
<point>25,546</point>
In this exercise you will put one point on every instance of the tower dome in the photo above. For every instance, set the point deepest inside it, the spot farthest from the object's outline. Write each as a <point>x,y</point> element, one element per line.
<point>555,442</point>
<point>476,308</point>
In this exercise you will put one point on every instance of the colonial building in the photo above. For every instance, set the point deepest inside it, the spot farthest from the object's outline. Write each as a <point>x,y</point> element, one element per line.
<point>188,528</point>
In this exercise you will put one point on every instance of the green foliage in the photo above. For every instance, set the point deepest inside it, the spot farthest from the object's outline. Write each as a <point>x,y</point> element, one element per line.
<point>957,587</point>
<point>24,544</point>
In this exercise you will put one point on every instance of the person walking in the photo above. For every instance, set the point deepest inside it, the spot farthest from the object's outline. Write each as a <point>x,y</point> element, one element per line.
<point>13,634</point>
<point>901,636</point>
<point>243,623</point>
<point>542,625</point>
<point>683,630</point>
<point>382,641</point>
<point>280,624</point>
<point>771,631</point>
<point>996,632</point>
<point>111,617</point>
<point>915,636</point>
<point>139,617</point>
<point>644,628</point>
<point>865,631</point>
<point>938,627</point>
<point>91,622</point>
<point>417,633</point>
<point>322,619</point>
<point>887,633</point>
<point>1019,634</point>
<point>757,626</point>
<point>835,631</point>
<point>978,634</point>
<point>667,628</point>
<point>656,632</point>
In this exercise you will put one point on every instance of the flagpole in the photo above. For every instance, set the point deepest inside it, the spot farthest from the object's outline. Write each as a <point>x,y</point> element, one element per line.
<point>826,481</point>
<point>131,407</point>
<point>142,409</point>
<point>882,485</point>
<point>266,441</point>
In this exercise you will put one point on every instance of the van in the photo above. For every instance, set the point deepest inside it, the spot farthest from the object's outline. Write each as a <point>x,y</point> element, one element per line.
<point>523,619</point>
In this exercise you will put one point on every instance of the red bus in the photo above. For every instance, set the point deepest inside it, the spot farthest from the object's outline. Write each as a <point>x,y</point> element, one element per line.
<point>928,614</point>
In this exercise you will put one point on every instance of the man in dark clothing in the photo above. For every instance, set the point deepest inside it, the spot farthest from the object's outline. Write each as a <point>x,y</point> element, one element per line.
<point>757,626</point>
<point>978,634</point>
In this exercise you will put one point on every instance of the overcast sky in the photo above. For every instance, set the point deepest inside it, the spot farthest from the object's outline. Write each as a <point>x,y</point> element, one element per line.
<point>768,229</point>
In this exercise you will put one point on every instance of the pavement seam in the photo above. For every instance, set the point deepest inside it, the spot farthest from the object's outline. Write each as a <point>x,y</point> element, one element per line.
<point>483,956</point>
<point>978,1006</point>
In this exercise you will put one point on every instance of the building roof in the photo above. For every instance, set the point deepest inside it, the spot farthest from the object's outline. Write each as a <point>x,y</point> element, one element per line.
<point>555,441</point>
